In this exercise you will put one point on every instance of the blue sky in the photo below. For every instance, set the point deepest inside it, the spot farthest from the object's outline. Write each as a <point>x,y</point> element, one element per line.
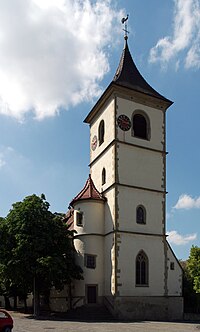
<point>56,58</point>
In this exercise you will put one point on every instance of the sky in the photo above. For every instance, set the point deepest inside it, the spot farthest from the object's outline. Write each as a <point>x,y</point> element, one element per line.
<point>56,59</point>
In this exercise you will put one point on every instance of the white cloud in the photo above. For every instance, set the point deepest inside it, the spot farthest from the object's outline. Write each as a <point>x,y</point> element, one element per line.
<point>185,37</point>
<point>54,53</point>
<point>6,153</point>
<point>187,202</point>
<point>2,161</point>
<point>175,238</point>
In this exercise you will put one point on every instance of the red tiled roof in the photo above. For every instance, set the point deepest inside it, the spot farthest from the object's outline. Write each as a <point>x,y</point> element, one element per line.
<point>88,192</point>
<point>69,219</point>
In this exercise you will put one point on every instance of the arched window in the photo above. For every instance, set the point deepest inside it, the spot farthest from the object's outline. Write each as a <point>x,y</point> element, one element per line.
<point>101,132</point>
<point>140,126</point>
<point>140,215</point>
<point>103,176</point>
<point>142,269</point>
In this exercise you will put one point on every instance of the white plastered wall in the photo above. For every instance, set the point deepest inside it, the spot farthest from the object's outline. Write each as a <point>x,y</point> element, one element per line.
<point>106,114</point>
<point>129,248</point>
<point>109,216</point>
<point>156,117</point>
<point>89,240</point>
<point>174,276</point>
<point>108,264</point>
<point>129,198</point>
<point>92,245</point>
<point>139,167</point>
<point>93,216</point>
<point>106,161</point>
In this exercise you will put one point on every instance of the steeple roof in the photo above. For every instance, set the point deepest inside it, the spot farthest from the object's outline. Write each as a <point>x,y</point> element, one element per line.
<point>88,192</point>
<point>128,75</point>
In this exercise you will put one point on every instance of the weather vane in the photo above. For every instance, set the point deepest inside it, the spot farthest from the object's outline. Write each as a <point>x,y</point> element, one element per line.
<point>124,21</point>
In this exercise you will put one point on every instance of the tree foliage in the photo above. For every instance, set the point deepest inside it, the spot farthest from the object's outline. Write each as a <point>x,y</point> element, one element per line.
<point>193,265</point>
<point>191,298</point>
<point>36,249</point>
<point>191,277</point>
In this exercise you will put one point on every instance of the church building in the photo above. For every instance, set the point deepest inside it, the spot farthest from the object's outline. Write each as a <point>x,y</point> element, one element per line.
<point>120,214</point>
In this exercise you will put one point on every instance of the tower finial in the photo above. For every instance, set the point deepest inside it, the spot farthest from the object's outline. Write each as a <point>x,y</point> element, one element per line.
<point>124,21</point>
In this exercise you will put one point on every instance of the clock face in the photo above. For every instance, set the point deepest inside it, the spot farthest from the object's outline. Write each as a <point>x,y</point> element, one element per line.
<point>94,143</point>
<point>124,122</point>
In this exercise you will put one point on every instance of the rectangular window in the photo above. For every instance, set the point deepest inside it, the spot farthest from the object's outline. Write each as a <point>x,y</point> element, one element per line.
<point>172,266</point>
<point>90,261</point>
<point>79,218</point>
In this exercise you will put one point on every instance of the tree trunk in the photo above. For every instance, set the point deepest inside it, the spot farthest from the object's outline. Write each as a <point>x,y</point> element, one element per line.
<point>36,298</point>
<point>7,303</point>
<point>70,296</point>
<point>46,300</point>
<point>36,304</point>
<point>15,302</point>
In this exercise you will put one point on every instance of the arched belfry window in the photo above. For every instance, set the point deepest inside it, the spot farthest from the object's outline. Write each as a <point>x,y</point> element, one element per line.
<point>142,269</point>
<point>141,126</point>
<point>141,215</point>
<point>103,176</point>
<point>101,132</point>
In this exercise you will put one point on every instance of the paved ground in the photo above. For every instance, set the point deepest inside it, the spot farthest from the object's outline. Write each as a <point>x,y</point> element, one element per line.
<point>23,323</point>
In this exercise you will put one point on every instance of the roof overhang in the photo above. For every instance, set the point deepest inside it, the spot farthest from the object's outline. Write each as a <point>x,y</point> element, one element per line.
<point>120,90</point>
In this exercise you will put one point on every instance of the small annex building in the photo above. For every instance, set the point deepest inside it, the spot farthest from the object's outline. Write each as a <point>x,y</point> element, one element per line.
<point>120,214</point>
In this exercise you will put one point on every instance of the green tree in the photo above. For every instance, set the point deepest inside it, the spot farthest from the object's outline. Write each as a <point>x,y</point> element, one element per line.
<point>193,266</point>
<point>37,251</point>
<point>7,288</point>
<point>191,298</point>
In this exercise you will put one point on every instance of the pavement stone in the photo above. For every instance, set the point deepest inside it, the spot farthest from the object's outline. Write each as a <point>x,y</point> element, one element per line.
<point>25,323</point>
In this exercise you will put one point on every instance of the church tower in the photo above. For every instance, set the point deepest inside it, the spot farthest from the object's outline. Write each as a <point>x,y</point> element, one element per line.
<point>138,277</point>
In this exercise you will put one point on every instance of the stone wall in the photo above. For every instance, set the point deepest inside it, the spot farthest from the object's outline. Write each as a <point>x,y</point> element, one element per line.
<point>149,308</point>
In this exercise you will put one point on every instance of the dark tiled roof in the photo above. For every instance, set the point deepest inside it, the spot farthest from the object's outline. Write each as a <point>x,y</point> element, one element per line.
<point>69,218</point>
<point>88,192</point>
<point>128,75</point>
